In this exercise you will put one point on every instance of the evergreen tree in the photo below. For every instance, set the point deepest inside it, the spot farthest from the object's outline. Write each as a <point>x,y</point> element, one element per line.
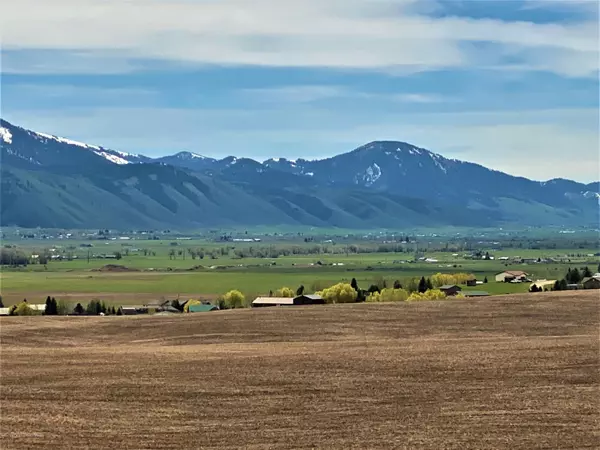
<point>485,280</point>
<point>429,284</point>
<point>54,306</point>
<point>575,276</point>
<point>397,284</point>
<point>586,272</point>
<point>300,290</point>
<point>373,288</point>
<point>354,284</point>
<point>78,309</point>
<point>563,285</point>
<point>1,303</point>
<point>422,286</point>
<point>48,308</point>
<point>120,311</point>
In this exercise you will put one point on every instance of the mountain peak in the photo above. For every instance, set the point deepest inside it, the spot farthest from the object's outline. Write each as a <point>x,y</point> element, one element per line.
<point>185,155</point>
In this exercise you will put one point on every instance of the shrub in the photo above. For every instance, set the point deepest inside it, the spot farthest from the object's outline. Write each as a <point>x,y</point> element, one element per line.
<point>339,293</point>
<point>23,309</point>
<point>432,294</point>
<point>234,299</point>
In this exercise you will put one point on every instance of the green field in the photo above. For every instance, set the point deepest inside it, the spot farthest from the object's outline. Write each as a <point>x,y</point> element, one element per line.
<point>166,268</point>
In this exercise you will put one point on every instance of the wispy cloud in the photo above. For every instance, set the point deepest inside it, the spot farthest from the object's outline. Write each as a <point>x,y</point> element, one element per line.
<point>315,93</point>
<point>382,35</point>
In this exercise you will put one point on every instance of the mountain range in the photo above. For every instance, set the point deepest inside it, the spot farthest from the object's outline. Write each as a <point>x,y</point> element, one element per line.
<point>50,181</point>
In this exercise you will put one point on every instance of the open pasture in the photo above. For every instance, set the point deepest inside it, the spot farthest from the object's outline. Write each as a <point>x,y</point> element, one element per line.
<point>131,287</point>
<point>503,372</point>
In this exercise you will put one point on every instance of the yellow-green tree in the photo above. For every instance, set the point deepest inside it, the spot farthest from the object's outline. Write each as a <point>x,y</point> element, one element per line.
<point>431,294</point>
<point>285,292</point>
<point>339,293</point>
<point>388,295</point>
<point>23,309</point>
<point>234,299</point>
<point>440,279</point>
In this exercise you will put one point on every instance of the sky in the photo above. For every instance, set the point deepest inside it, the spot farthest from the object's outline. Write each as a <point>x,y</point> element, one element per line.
<point>510,84</point>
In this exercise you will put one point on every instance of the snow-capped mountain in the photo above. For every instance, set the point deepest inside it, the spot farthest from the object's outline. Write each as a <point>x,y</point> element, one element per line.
<point>42,149</point>
<point>188,160</point>
<point>375,184</point>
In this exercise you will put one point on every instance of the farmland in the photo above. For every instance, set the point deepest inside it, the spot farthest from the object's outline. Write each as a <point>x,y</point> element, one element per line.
<point>205,268</point>
<point>502,372</point>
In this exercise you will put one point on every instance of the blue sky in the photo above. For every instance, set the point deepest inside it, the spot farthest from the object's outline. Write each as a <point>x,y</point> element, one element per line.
<point>509,84</point>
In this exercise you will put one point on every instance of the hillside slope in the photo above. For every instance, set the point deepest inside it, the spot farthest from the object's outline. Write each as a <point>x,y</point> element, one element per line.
<point>51,181</point>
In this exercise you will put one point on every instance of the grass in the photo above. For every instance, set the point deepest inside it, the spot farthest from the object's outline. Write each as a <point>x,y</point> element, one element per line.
<point>62,279</point>
<point>161,276</point>
<point>508,372</point>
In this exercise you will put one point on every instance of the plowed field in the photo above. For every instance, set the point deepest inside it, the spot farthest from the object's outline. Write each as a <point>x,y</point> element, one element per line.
<point>502,372</point>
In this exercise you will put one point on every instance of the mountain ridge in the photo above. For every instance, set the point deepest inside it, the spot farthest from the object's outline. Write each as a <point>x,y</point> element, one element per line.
<point>379,184</point>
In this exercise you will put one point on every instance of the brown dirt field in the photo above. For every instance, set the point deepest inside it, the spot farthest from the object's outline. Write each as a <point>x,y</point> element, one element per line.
<point>502,372</point>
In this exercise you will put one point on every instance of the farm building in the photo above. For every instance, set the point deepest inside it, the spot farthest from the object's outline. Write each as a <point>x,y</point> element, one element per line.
<point>511,275</point>
<point>476,294</point>
<point>134,310</point>
<point>472,282</point>
<point>543,284</point>
<point>591,282</point>
<point>309,299</point>
<point>202,308</point>
<point>272,301</point>
<point>4,311</point>
<point>450,289</point>
<point>282,301</point>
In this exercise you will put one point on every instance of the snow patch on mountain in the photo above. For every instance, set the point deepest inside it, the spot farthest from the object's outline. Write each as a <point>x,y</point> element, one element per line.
<point>436,161</point>
<point>6,135</point>
<point>370,175</point>
<point>66,141</point>
<point>112,158</point>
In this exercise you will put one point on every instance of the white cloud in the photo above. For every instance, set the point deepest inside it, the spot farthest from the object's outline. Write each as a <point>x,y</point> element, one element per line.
<point>312,93</point>
<point>375,35</point>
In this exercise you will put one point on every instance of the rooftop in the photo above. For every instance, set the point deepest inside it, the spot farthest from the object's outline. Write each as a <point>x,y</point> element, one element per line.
<point>476,294</point>
<point>273,301</point>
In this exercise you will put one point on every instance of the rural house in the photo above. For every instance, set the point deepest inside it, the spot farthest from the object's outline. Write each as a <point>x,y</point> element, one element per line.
<point>472,282</point>
<point>450,289</point>
<point>511,275</point>
<point>591,282</point>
